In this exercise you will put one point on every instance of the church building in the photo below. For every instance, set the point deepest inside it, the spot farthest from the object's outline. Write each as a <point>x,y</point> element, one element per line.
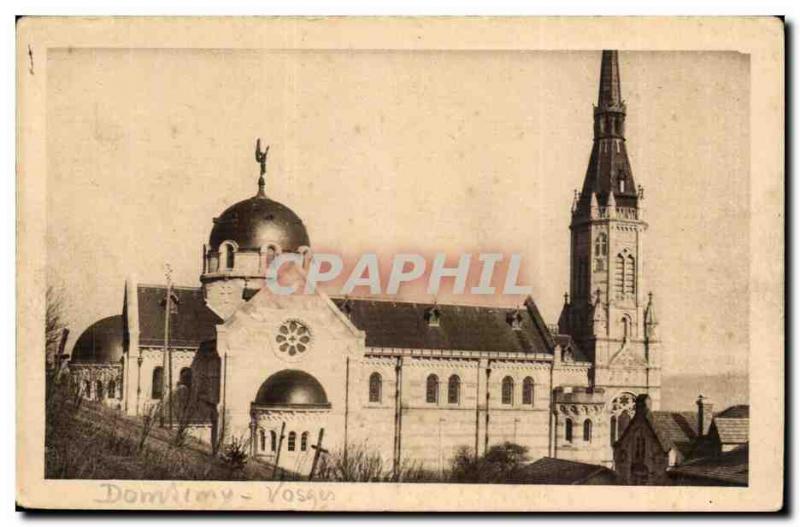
<point>411,381</point>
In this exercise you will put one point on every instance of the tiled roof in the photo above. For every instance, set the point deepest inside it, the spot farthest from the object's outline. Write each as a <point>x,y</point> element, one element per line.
<point>679,428</point>
<point>192,324</point>
<point>732,430</point>
<point>472,328</point>
<point>738,411</point>
<point>728,467</point>
<point>554,471</point>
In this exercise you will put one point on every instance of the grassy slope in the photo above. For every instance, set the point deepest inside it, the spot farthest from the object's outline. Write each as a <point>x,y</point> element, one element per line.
<point>89,441</point>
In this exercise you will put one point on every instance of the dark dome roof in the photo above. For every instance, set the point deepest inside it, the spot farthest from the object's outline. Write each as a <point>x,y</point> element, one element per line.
<point>100,343</point>
<point>291,388</point>
<point>257,221</point>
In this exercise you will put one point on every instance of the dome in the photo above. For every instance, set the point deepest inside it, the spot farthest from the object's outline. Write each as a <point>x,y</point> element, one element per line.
<point>100,343</point>
<point>258,221</point>
<point>291,388</point>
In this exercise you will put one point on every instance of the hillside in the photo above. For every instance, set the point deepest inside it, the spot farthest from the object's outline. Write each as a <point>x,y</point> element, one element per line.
<point>85,440</point>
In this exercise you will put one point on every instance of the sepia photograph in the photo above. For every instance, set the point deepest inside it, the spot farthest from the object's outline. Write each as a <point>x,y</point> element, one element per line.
<point>311,267</point>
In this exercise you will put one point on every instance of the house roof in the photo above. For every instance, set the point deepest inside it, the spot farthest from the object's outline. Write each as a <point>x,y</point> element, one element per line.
<point>191,323</point>
<point>390,324</point>
<point>738,411</point>
<point>732,430</point>
<point>677,428</point>
<point>552,471</point>
<point>728,467</point>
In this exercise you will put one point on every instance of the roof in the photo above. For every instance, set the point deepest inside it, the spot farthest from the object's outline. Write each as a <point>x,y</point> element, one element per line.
<point>732,430</point>
<point>739,411</point>
<point>258,221</point>
<point>678,428</point>
<point>608,165</point>
<point>292,388</point>
<point>192,322</point>
<point>102,342</point>
<point>390,324</point>
<point>728,467</point>
<point>552,471</point>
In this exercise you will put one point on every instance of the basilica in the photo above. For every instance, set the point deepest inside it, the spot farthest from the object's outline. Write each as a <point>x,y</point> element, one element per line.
<point>413,382</point>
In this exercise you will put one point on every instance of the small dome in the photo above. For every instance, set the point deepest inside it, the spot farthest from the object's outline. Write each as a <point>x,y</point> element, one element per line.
<point>291,388</point>
<point>258,221</point>
<point>100,343</point>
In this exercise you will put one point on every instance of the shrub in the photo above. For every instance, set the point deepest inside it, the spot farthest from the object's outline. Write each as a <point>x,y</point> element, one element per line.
<point>234,454</point>
<point>500,464</point>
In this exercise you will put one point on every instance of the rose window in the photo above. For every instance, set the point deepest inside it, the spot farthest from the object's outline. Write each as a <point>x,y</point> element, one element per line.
<point>293,338</point>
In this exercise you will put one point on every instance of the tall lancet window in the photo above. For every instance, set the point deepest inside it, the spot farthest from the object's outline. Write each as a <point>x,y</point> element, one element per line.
<point>432,389</point>
<point>375,382</point>
<point>619,274</point>
<point>453,389</point>
<point>601,245</point>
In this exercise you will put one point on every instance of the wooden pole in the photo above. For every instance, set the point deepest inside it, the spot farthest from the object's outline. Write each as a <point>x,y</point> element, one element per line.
<point>280,445</point>
<point>166,377</point>
<point>319,450</point>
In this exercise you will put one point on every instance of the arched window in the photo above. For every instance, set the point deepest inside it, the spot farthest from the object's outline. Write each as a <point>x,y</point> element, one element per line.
<point>453,389</point>
<point>272,252</point>
<point>273,440</point>
<point>304,441</point>
<point>432,389</point>
<point>185,377</point>
<point>568,430</point>
<point>157,389</point>
<point>112,389</point>
<point>613,427</point>
<point>375,384</point>
<point>507,392</point>
<point>292,441</point>
<point>626,327</point>
<point>587,430</point>
<point>100,390</point>
<point>619,274</point>
<point>87,390</point>
<point>601,245</point>
<point>226,256</point>
<point>262,439</point>
<point>527,391</point>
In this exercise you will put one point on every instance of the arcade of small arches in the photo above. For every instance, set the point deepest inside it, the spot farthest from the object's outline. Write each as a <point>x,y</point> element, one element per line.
<point>275,442</point>
<point>98,382</point>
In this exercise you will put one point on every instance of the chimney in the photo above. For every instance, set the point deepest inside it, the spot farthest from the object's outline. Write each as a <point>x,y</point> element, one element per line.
<point>642,404</point>
<point>705,409</point>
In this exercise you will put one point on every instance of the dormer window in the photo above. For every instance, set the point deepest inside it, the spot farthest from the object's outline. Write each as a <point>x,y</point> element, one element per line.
<point>432,316</point>
<point>622,184</point>
<point>514,319</point>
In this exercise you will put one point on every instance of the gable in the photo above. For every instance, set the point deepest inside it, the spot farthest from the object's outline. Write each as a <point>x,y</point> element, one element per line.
<point>191,323</point>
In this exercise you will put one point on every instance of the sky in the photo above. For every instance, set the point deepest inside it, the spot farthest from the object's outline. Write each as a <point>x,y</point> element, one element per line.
<point>390,151</point>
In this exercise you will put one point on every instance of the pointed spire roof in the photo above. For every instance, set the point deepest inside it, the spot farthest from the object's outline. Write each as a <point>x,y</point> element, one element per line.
<point>609,93</point>
<point>609,172</point>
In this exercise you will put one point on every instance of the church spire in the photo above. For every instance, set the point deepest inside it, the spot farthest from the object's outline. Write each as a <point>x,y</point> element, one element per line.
<point>609,93</point>
<point>609,170</point>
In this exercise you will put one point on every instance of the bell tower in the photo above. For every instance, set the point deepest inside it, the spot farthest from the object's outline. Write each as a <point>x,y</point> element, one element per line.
<point>608,313</point>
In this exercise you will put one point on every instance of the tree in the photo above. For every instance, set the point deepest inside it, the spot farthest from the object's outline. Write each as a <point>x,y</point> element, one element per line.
<point>54,325</point>
<point>500,464</point>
